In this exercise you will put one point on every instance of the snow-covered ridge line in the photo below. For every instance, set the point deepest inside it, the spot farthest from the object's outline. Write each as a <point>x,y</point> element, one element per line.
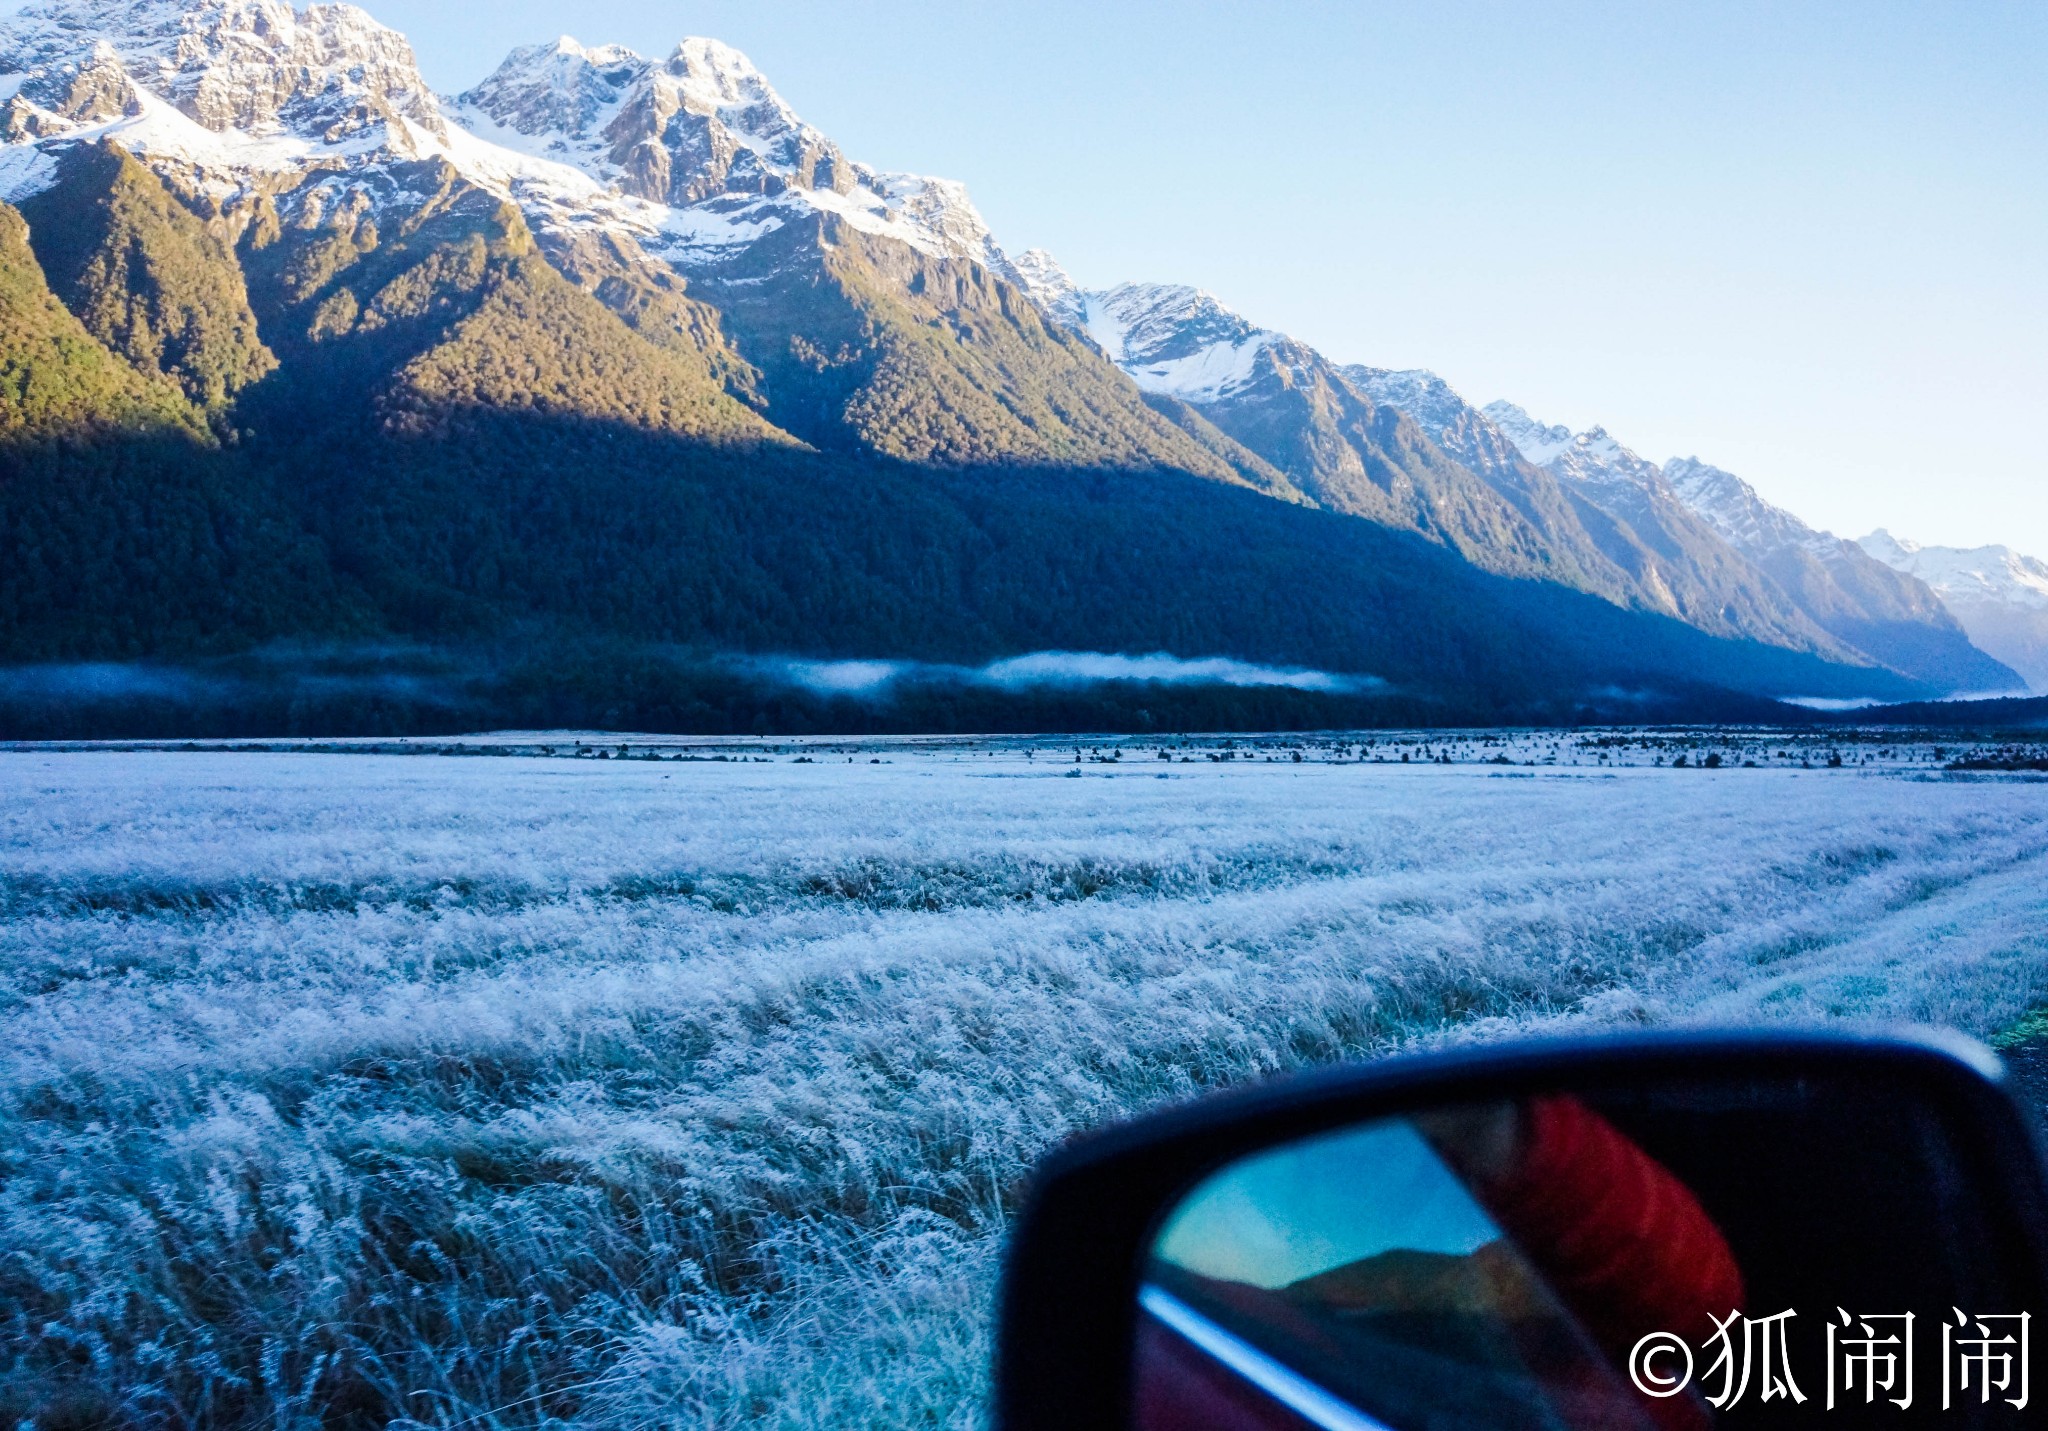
<point>2000,596</point>
<point>1994,574</point>
<point>1731,506</point>
<point>1170,338</point>
<point>1175,339</point>
<point>1593,458</point>
<point>693,158</point>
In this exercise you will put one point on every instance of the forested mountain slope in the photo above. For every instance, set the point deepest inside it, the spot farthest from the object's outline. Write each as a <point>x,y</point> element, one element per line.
<point>617,356</point>
<point>146,275</point>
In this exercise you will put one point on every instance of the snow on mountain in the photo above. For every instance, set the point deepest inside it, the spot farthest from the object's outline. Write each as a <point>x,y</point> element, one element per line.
<point>1416,391</point>
<point>1593,458</point>
<point>232,99</point>
<point>1540,442</point>
<point>223,89</point>
<point>1740,514</point>
<point>1048,285</point>
<point>257,66</point>
<point>1175,340</point>
<point>1880,607</point>
<point>691,158</point>
<point>2000,596</point>
<point>1994,575</point>
<point>1682,562</point>
<point>1712,516</point>
<point>707,143</point>
<point>1451,422</point>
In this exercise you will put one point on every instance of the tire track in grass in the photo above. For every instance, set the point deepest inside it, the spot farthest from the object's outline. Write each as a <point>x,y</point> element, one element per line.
<point>1971,955</point>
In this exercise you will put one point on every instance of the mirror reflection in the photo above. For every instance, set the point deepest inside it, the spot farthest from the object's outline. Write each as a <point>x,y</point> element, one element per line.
<point>1666,1258</point>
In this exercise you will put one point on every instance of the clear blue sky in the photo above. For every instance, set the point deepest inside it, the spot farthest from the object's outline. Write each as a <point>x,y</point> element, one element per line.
<point>1808,242</point>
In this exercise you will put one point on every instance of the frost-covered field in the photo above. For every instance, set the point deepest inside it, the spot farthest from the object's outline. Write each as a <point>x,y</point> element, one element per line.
<point>496,1092</point>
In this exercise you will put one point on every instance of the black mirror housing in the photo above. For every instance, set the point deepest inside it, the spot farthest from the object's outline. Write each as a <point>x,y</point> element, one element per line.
<point>1069,1312</point>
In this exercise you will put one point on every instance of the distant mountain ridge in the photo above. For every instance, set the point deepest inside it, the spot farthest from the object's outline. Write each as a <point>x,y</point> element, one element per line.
<point>1833,582</point>
<point>1999,595</point>
<point>296,349</point>
<point>1707,550</point>
<point>1333,440</point>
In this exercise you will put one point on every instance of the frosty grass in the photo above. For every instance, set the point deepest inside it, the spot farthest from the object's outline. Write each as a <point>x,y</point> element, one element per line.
<point>519,1092</point>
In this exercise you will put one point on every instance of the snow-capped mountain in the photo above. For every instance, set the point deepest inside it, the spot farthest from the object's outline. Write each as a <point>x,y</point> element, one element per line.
<point>1593,458</point>
<point>707,145</point>
<point>1458,427</point>
<point>1403,447</point>
<point>233,91</point>
<point>1326,437</point>
<point>1050,286</point>
<point>1584,506</point>
<point>1684,556</point>
<point>2000,595</point>
<point>1993,575</point>
<point>255,66</point>
<point>691,158</point>
<point>844,303</point>
<point>1608,501</point>
<point>1740,514</point>
<point>1685,503</point>
<point>1882,608</point>
<point>278,203</point>
<point>1176,340</point>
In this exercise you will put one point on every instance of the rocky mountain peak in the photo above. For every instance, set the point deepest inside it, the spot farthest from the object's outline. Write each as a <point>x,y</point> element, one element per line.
<point>1537,441</point>
<point>1991,574</point>
<point>1999,595</point>
<point>715,78</point>
<point>1420,393</point>
<point>1593,457</point>
<point>1738,512</point>
<point>703,122</point>
<point>564,88</point>
<point>1453,423</point>
<point>328,74</point>
<point>1048,285</point>
<point>687,160</point>
<point>704,132</point>
<point>1176,340</point>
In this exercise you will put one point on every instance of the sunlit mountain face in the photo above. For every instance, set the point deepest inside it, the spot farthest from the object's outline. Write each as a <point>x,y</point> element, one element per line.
<point>620,348</point>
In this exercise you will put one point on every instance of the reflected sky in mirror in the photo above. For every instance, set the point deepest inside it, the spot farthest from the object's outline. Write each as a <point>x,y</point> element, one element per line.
<point>1323,1203</point>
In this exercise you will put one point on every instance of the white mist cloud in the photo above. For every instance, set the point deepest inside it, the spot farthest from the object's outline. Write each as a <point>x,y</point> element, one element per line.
<point>1084,668</point>
<point>90,682</point>
<point>1829,703</point>
<point>1065,669</point>
<point>841,678</point>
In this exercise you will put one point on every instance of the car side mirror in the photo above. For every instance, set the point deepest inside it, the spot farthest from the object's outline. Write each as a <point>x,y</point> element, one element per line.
<point>1666,1232</point>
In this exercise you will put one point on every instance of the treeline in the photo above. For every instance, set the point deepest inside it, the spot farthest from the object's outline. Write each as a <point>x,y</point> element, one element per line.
<point>456,447</point>
<point>549,681</point>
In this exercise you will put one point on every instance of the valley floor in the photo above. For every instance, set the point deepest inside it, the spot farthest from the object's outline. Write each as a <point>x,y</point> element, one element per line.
<point>695,1092</point>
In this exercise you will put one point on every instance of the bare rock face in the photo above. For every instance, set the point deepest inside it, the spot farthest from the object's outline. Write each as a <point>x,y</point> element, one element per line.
<point>702,131</point>
<point>22,122</point>
<point>1051,287</point>
<point>256,66</point>
<point>703,122</point>
<point>94,89</point>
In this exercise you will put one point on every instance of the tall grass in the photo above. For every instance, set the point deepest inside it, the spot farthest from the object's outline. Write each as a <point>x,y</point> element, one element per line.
<point>515,1093</point>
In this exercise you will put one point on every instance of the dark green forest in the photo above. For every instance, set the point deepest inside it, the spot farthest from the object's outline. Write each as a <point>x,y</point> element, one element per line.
<point>340,478</point>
